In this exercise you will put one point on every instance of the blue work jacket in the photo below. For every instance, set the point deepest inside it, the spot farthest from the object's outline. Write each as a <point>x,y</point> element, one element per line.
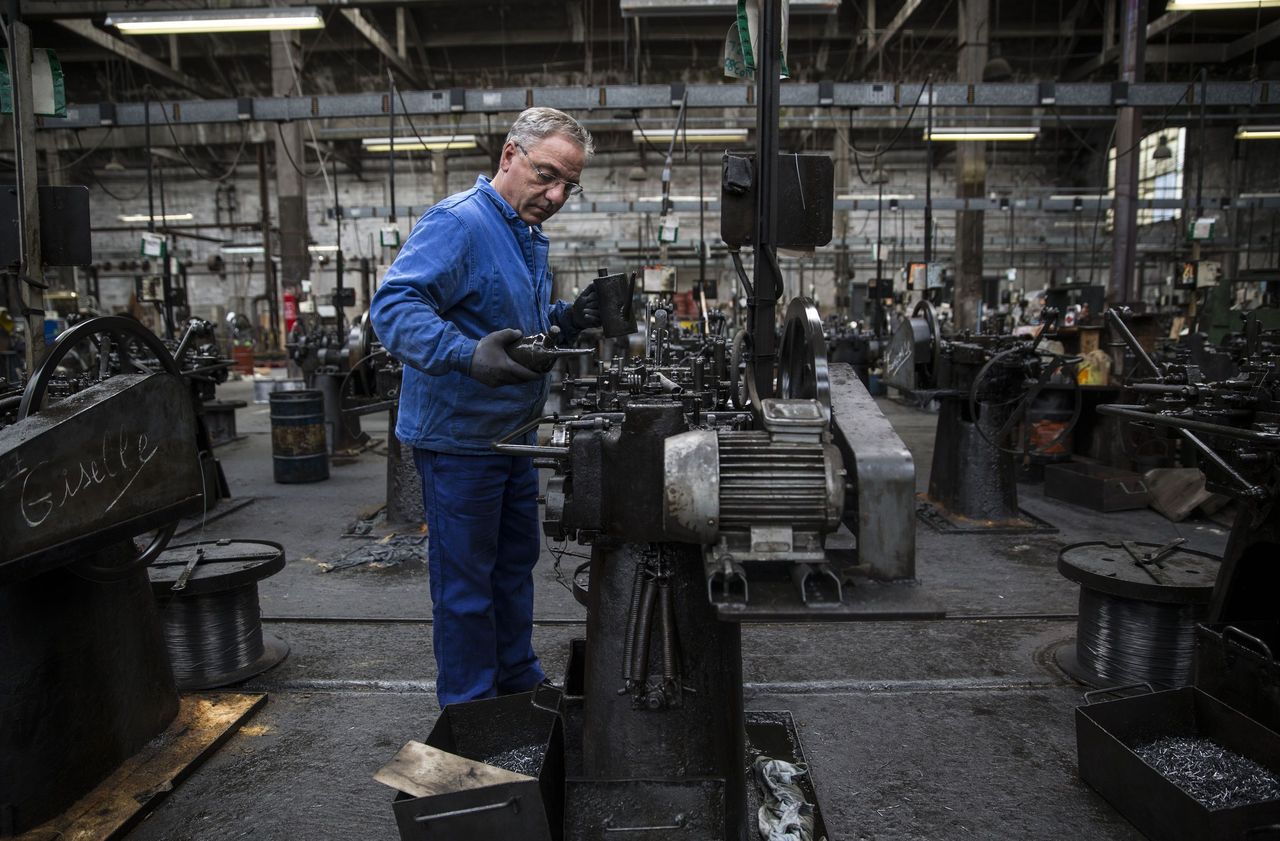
<point>471,266</point>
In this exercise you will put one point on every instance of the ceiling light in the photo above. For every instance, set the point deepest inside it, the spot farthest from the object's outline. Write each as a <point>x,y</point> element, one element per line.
<point>241,249</point>
<point>1258,132</point>
<point>680,8</point>
<point>1211,5</point>
<point>216,20</point>
<point>167,217</point>
<point>693,135</point>
<point>974,134</point>
<point>876,197</point>
<point>1162,151</point>
<point>420,144</point>
<point>317,249</point>
<point>113,165</point>
<point>676,198</point>
<point>997,70</point>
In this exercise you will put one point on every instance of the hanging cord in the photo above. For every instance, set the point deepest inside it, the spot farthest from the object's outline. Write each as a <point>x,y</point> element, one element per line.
<point>230,170</point>
<point>1130,641</point>
<point>297,83</point>
<point>893,142</point>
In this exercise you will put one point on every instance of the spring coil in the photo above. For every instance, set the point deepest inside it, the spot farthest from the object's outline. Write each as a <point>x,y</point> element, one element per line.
<point>1130,641</point>
<point>214,635</point>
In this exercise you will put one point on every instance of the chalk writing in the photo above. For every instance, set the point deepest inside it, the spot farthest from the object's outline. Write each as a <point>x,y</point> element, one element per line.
<point>48,487</point>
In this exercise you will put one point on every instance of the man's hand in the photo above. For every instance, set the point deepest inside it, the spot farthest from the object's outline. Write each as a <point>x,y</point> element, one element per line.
<point>491,365</point>
<point>586,309</point>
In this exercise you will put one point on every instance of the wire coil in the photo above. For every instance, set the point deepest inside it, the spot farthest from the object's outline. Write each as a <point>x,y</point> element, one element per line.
<point>215,638</point>
<point>1126,640</point>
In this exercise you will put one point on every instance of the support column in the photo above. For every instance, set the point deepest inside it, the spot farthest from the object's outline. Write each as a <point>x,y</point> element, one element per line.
<point>439,176</point>
<point>291,185</point>
<point>26,296</point>
<point>1120,286</point>
<point>843,269</point>
<point>971,167</point>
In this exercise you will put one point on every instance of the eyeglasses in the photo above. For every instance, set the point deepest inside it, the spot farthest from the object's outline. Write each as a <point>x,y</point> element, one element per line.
<point>571,188</point>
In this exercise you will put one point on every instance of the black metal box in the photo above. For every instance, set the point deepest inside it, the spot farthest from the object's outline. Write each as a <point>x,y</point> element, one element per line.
<point>1235,664</point>
<point>531,809</point>
<point>1095,486</point>
<point>1108,733</point>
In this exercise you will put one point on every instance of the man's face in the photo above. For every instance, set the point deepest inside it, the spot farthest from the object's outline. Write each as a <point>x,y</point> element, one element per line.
<point>533,178</point>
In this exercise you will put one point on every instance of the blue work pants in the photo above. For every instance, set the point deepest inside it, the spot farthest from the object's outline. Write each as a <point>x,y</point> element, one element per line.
<point>482,521</point>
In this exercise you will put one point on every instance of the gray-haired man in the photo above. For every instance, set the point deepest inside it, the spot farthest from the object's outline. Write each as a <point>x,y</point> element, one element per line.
<point>472,278</point>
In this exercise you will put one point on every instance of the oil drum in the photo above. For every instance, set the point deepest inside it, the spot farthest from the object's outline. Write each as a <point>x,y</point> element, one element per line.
<point>299,452</point>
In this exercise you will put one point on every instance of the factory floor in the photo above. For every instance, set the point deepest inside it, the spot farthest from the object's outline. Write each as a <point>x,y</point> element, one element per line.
<point>957,728</point>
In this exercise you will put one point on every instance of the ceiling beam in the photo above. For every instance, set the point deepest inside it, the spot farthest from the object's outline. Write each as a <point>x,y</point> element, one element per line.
<point>1268,33</point>
<point>129,52</point>
<point>908,6</point>
<point>1111,53</point>
<point>382,45</point>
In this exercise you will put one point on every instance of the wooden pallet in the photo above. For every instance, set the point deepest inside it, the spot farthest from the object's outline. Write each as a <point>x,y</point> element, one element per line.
<point>205,720</point>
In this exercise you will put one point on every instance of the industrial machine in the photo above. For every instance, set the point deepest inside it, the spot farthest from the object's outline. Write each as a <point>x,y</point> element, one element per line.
<point>1002,399</point>
<point>88,463</point>
<point>1233,428</point>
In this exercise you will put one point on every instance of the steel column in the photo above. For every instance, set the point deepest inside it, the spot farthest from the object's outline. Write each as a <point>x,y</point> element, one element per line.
<point>1127,136</point>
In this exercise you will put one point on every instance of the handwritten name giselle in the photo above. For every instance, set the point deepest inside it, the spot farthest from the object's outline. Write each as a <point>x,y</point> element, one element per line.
<point>47,488</point>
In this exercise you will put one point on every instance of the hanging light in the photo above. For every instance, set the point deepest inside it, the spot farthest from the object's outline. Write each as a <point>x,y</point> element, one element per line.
<point>878,176</point>
<point>1162,151</point>
<point>637,173</point>
<point>996,70</point>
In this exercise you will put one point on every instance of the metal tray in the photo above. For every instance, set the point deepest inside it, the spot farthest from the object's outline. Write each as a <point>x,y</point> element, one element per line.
<point>1108,732</point>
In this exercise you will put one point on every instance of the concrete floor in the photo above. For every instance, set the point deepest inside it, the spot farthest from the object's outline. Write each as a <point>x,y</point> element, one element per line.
<point>957,728</point>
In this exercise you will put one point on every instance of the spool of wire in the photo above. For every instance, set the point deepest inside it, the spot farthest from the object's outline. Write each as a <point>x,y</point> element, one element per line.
<point>1139,605</point>
<point>208,599</point>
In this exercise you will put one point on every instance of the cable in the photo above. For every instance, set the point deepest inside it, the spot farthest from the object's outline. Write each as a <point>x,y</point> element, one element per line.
<point>244,139</point>
<point>898,136</point>
<point>289,155</point>
<point>213,636</point>
<point>79,143</point>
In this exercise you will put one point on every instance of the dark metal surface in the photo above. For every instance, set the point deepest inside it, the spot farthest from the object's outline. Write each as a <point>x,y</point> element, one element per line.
<point>1096,486</point>
<point>1141,571</point>
<point>107,463</point>
<point>1235,663</point>
<point>1108,735</point>
<point>219,565</point>
<point>804,205</point>
<point>85,680</point>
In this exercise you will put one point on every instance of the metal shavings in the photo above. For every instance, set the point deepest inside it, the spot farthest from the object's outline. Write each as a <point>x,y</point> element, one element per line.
<point>525,759</point>
<point>1216,777</point>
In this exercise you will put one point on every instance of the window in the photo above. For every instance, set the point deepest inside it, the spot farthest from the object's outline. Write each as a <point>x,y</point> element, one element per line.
<point>1158,178</point>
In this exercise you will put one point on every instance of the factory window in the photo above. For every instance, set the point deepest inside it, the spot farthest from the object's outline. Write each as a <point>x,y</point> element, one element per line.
<point>1161,156</point>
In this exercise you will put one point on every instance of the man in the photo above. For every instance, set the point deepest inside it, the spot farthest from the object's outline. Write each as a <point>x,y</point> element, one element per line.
<point>471,279</point>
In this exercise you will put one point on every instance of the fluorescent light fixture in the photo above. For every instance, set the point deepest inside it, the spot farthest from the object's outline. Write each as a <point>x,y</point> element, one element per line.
<point>241,249</point>
<point>685,8</point>
<point>420,144</point>
<point>317,249</point>
<point>693,135</point>
<point>1258,132</point>
<point>676,198</point>
<point>1081,196</point>
<point>1213,5</point>
<point>167,217</point>
<point>1260,195</point>
<point>216,20</point>
<point>976,134</point>
<point>874,197</point>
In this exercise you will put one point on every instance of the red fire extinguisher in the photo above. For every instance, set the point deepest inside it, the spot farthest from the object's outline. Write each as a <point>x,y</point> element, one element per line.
<point>290,311</point>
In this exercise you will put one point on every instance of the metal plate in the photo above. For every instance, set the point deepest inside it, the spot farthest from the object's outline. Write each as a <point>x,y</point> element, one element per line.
<point>225,565</point>
<point>947,522</point>
<point>1181,577</point>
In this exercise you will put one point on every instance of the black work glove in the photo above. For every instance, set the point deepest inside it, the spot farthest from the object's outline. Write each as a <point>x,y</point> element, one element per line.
<point>491,365</point>
<point>586,309</point>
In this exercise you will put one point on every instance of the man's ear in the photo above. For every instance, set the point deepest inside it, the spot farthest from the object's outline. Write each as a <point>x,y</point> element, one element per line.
<point>507,154</point>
